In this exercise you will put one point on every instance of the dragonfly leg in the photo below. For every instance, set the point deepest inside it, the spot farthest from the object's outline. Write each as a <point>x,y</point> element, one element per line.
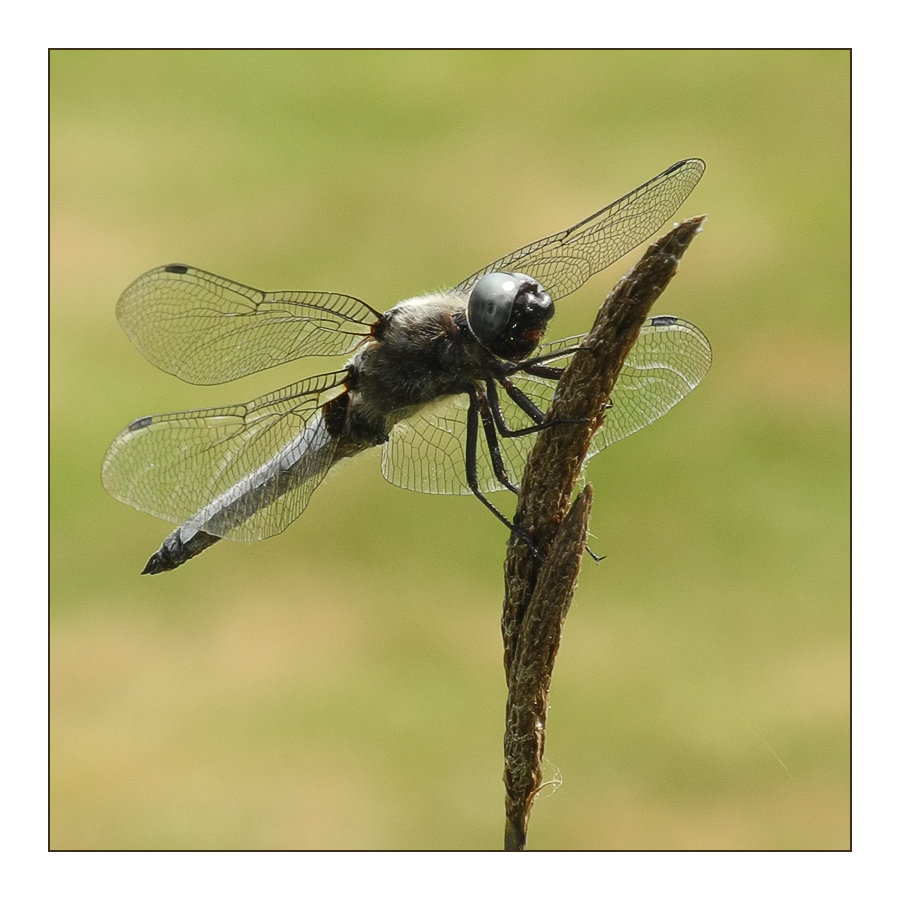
<point>535,363</point>
<point>524,402</point>
<point>488,414</point>
<point>548,372</point>
<point>479,412</point>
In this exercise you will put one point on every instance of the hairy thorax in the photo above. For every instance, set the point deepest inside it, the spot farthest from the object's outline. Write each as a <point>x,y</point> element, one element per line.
<point>421,351</point>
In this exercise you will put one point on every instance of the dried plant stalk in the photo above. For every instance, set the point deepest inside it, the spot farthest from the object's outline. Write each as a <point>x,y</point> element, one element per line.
<point>539,591</point>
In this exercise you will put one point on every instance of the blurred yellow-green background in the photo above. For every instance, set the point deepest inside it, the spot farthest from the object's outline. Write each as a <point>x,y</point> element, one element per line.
<point>341,685</point>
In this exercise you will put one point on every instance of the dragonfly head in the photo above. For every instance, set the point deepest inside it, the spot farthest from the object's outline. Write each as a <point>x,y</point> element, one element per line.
<point>508,313</point>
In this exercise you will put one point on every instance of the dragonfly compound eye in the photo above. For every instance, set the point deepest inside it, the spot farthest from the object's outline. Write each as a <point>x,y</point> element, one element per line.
<point>491,305</point>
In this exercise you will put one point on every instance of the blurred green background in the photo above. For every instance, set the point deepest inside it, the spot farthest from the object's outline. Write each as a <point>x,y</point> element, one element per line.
<point>341,685</point>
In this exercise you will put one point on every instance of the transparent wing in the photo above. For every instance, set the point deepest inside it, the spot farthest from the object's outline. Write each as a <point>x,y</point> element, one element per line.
<point>669,359</point>
<point>563,262</point>
<point>427,451</point>
<point>206,329</point>
<point>242,472</point>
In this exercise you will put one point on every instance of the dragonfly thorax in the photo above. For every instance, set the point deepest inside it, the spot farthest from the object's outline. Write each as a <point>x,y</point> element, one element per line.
<point>423,349</point>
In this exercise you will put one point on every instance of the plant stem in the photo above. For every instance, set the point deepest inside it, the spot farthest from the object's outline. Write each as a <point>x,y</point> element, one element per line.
<point>539,590</point>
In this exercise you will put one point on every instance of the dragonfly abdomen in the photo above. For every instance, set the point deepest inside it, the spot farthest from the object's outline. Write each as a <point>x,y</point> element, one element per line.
<point>296,469</point>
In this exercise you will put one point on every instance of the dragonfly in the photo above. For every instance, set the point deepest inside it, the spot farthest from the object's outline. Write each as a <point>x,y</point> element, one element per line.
<point>452,385</point>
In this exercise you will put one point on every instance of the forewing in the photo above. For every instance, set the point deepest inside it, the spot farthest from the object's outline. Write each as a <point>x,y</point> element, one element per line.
<point>175,465</point>
<point>206,329</point>
<point>563,262</point>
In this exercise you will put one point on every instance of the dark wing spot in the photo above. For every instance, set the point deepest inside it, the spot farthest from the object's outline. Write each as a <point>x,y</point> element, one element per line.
<point>664,320</point>
<point>138,424</point>
<point>177,269</point>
